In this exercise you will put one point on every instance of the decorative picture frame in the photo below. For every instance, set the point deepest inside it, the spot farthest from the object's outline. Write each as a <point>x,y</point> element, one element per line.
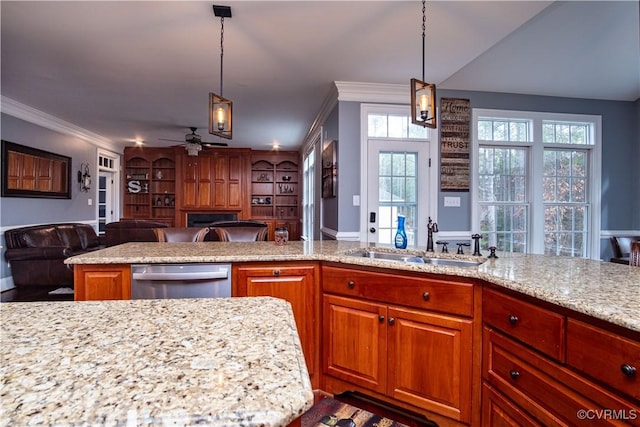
<point>31,172</point>
<point>329,170</point>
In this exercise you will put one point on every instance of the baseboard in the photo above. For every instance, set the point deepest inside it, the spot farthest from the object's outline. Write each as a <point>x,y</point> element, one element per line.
<point>6,283</point>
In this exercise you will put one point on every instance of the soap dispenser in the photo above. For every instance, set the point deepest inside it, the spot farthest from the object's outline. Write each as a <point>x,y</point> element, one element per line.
<point>401,235</point>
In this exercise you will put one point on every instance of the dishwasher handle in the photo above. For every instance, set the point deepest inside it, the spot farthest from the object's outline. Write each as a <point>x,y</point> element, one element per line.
<point>194,275</point>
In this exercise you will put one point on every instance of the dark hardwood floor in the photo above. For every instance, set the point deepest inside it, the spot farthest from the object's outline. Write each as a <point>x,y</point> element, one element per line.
<point>34,293</point>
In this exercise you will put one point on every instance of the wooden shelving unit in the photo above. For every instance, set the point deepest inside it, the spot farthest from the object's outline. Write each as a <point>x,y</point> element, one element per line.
<point>149,184</point>
<point>275,196</point>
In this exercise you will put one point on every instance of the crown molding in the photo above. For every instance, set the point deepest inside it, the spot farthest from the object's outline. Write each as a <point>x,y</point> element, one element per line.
<point>374,92</point>
<point>45,120</point>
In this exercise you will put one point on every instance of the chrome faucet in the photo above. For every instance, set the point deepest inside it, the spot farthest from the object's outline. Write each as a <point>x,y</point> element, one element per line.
<point>432,227</point>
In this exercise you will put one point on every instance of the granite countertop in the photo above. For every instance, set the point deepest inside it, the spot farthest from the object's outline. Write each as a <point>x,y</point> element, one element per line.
<point>218,362</point>
<point>603,290</point>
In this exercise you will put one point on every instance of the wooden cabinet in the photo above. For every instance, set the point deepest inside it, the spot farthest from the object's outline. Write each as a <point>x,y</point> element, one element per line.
<point>416,356</point>
<point>214,180</point>
<point>102,282</point>
<point>528,378</point>
<point>275,190</point>
<point>296,283</point>
<point>150,184</point>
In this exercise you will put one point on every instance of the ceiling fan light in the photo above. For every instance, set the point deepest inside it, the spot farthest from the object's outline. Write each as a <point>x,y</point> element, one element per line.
<point>220,115</point>
<point>192,148</point>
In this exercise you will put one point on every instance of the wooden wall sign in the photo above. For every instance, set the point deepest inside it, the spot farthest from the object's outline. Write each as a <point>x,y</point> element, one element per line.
<point>455,122</point>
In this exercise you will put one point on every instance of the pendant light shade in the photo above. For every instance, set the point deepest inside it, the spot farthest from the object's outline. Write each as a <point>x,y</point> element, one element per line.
<point>423,95</point>
<point>220,108</point>
<point>423,103</point>
<point>220,115</point>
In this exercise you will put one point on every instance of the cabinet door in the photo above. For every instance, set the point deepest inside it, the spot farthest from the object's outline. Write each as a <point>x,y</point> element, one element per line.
<point>102,282</point>
<point>292,283</point>
<point>430,361</point>
<point>228,180</point>
<point>354,341</point>
<point>190,182</point>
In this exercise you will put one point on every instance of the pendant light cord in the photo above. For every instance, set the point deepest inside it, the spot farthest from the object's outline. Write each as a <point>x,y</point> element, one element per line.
<point>222,51</point>
<point>424,27</point>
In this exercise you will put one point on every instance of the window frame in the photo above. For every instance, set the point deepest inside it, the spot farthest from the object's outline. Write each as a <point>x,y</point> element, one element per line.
<point>536,146</point>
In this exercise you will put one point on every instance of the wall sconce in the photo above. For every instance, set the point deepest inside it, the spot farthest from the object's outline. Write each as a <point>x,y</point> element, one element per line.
<point>423,95</point>
<point>220,107</point>
<point>84,179</point>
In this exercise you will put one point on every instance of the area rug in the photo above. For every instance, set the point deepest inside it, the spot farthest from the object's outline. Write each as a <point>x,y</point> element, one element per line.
<point>332,413</point>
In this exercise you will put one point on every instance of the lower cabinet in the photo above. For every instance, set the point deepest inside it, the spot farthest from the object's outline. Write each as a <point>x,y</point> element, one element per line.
<point>523,380</point>
<point>414,356</point>
<point>101,282</point>
<point>295,283</point>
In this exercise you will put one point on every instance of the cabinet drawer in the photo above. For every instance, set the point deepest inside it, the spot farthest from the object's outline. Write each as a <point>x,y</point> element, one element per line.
<point>497,410</point>
<point>429,294</point>
<point>542,329</point>
<point>605,356</point>
<point>551,393</point>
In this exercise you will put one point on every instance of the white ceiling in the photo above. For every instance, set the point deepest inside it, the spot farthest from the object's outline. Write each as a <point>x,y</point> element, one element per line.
<point>144,69</point>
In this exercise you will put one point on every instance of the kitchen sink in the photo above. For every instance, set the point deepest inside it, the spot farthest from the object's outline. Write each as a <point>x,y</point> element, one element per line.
<point>413,258</point>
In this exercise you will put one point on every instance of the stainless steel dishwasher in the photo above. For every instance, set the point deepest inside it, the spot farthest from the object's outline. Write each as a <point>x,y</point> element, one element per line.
<point>158,281</point>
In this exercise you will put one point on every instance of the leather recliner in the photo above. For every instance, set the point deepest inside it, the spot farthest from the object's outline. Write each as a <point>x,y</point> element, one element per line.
<point>131,230</point>
<point>621,246</point>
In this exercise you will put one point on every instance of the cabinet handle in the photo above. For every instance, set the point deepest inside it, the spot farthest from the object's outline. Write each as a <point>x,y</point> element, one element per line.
<point>392,321</point>
<point>628,370</point>
<point>351,284</point>
<point>426,296</point>
<point>381,318</point>
<point>514,374</point>
<point>276,273</point>
<point>513,319</point>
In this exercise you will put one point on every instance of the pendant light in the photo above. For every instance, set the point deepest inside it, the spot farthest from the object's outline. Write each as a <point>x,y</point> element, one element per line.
<point>423,95</point>
<point>220,107</point>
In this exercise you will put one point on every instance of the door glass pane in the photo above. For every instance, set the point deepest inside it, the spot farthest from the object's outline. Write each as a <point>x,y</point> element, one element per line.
<point>397,183</point>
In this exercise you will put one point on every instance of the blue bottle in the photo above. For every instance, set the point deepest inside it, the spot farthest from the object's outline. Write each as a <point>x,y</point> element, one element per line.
<point>401,236</point>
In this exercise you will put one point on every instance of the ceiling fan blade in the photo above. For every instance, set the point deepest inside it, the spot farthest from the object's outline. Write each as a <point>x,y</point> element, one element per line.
<point>216,144</point>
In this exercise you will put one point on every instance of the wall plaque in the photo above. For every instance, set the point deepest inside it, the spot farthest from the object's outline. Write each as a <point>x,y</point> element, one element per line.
<point>455,122</point>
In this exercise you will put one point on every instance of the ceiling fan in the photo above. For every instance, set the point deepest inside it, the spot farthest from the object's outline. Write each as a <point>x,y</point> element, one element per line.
<point>193,142</point>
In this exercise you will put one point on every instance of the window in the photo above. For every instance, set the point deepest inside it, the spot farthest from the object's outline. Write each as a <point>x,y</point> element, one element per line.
<point>537,181</point>
<point>308,194</point>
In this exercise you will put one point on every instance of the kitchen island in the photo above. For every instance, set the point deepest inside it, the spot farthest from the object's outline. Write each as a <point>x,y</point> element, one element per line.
<point>502,330</point>
<point>217,362</point>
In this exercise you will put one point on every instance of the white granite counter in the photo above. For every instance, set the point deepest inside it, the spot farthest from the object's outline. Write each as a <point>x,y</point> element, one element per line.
<point>217,362</point>
<point>604,290</point>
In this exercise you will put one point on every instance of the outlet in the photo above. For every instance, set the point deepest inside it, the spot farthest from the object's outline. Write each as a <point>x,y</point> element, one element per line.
<point>90,202</point>
<point>356,200</point>
<point>452,202</point>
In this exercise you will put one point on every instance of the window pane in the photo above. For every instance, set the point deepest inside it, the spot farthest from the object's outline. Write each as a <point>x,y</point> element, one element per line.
<point>377,126</point>
<point>500,131</point>
<point>398,126</point>
<point>485,130</point>
<point>384,167</point>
